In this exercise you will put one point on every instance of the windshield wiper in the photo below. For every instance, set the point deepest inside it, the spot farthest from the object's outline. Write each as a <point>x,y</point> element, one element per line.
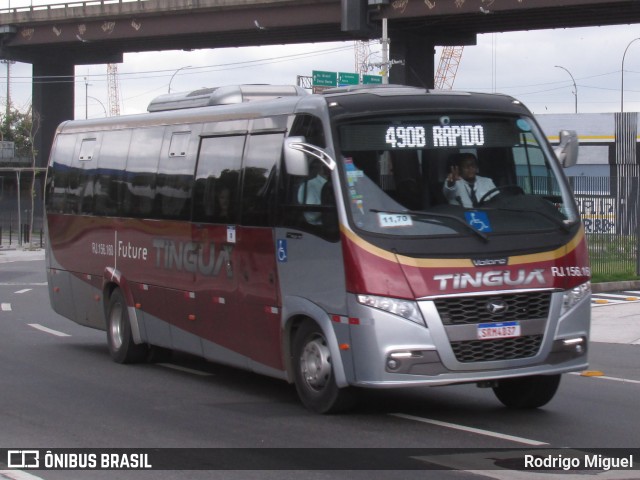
<point>434,215</point>
<point>557,221</point>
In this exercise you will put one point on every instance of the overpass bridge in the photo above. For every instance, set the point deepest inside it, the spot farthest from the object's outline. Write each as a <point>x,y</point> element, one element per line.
<point>55,38</point>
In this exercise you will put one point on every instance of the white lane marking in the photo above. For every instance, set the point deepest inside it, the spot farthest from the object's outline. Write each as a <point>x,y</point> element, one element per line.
<point>185,369</point>
<point>22,284</point>
<point>37,326</point>
<point>604,377</point>
<point>24,290</point>
<point>5,307</point>
<point>479,431</point>
<point>17,475</point>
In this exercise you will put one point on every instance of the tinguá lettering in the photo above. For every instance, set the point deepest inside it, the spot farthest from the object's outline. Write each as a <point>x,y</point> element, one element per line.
<point>193,257</point>
<point>494,278</point>
<point>458,136</point>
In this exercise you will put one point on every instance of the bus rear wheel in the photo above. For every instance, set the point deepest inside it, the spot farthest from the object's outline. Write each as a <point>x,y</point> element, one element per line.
<point>121,345</point>
<point>527,392</point>
<point>314,374</point>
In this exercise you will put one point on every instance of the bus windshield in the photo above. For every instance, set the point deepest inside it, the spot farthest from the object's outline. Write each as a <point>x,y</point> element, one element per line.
<point>434,175</point>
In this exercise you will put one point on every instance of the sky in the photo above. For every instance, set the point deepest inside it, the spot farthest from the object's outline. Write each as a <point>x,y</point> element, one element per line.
<point>536,67</point>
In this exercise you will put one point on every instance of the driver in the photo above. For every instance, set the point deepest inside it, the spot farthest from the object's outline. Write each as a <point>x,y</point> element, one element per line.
<point>463,185</point>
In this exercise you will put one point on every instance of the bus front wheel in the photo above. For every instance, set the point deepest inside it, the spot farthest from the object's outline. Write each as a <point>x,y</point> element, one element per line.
<point>314,374</point>
<point>121,345</point>
<point>527,392</point>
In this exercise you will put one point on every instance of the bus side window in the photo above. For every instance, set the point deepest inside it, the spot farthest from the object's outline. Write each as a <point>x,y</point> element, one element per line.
<point>81,181</point>
<point>59,173</point>
<point>259,177</point>
<point>142,167</point>
<point>217,177</point>
<point>175,179</point>
<point>109,184</point>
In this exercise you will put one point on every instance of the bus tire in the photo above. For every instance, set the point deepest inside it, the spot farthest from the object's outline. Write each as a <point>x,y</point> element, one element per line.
<point>527,392</point>
<point>121,345</point>
<point>314,374</point>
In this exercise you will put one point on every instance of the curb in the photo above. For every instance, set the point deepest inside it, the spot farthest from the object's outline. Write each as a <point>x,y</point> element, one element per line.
<point>20,255</point>
<point>613,286</point>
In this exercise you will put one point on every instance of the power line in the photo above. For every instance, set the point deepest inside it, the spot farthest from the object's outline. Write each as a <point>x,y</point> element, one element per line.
<point>201,69</point>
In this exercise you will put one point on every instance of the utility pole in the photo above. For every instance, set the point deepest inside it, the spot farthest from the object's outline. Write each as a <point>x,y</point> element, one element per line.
<point>386,64</point>
<point>86,98</point>
<point>8,110</point>
<point>8,89</point>
<point>385,51</point>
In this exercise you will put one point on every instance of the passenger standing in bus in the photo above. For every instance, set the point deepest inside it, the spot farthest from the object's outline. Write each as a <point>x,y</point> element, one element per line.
<point>310,192</point>
<point>463,185</point>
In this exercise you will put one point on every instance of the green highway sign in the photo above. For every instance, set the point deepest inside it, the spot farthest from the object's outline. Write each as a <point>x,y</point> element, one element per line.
<point>371,79</point>
<point>324,79</point>
<point>348,78</point>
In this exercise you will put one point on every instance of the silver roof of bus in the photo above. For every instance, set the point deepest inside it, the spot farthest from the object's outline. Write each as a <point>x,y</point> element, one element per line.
<point>227,95</point>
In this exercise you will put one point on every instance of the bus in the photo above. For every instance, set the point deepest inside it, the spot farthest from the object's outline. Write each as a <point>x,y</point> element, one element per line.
<point>308,237</point>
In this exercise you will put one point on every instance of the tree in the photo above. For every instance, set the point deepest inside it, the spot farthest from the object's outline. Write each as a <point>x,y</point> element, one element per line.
<point>17,127</point>
<point>21,128</point>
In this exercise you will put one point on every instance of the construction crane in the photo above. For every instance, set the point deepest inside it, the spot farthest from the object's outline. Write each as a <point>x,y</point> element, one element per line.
<point>362,54</point>
<point>448,67</point>
<point>114,90</point>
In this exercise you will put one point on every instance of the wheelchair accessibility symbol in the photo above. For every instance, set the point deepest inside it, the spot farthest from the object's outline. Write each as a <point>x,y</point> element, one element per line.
<point>281,251</point>
<point>479,221</point>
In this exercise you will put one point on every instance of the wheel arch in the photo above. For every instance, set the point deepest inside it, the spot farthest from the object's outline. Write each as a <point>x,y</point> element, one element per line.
<point>112,279</point>
<point>295,311</point>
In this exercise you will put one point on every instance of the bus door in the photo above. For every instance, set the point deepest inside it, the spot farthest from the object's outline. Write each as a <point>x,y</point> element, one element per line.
<point>214,233</point>
<point>259,303</point>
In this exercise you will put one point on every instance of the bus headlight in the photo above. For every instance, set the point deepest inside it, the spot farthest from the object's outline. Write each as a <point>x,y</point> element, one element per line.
<point>403,308</point>
<point>572,297</point>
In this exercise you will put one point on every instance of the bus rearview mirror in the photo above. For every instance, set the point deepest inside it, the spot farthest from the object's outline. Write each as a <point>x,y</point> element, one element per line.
<point>294,157</point>
<point>567,150</point>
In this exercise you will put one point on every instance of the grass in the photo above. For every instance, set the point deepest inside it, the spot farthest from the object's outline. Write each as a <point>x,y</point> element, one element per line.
<point>613,257</point>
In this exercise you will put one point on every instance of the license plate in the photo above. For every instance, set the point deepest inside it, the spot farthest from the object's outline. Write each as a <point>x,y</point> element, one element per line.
<point>490,331</point>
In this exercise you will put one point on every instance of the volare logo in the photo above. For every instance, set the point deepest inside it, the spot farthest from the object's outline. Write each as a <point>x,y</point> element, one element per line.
<point>489,262</point>
<point>497,307</point>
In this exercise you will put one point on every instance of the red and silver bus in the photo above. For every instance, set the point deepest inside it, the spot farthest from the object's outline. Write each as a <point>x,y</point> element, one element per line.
<point>310,238</point>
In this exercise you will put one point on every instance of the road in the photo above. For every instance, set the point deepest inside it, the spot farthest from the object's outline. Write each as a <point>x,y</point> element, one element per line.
<point>59,389</point>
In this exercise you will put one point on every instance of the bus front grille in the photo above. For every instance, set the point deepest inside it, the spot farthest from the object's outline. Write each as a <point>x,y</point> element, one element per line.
<point>471,310</point>
<point>468,351</point>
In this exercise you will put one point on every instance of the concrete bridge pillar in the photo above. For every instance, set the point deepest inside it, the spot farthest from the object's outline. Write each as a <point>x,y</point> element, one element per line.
<point>52,102</point>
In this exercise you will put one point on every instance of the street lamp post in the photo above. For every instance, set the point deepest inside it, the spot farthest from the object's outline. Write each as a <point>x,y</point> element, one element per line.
<point>86,98</point>
<point>575,87</point>
<point>174,74</point>
<point>101,104</point>
<point>622,75</point>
